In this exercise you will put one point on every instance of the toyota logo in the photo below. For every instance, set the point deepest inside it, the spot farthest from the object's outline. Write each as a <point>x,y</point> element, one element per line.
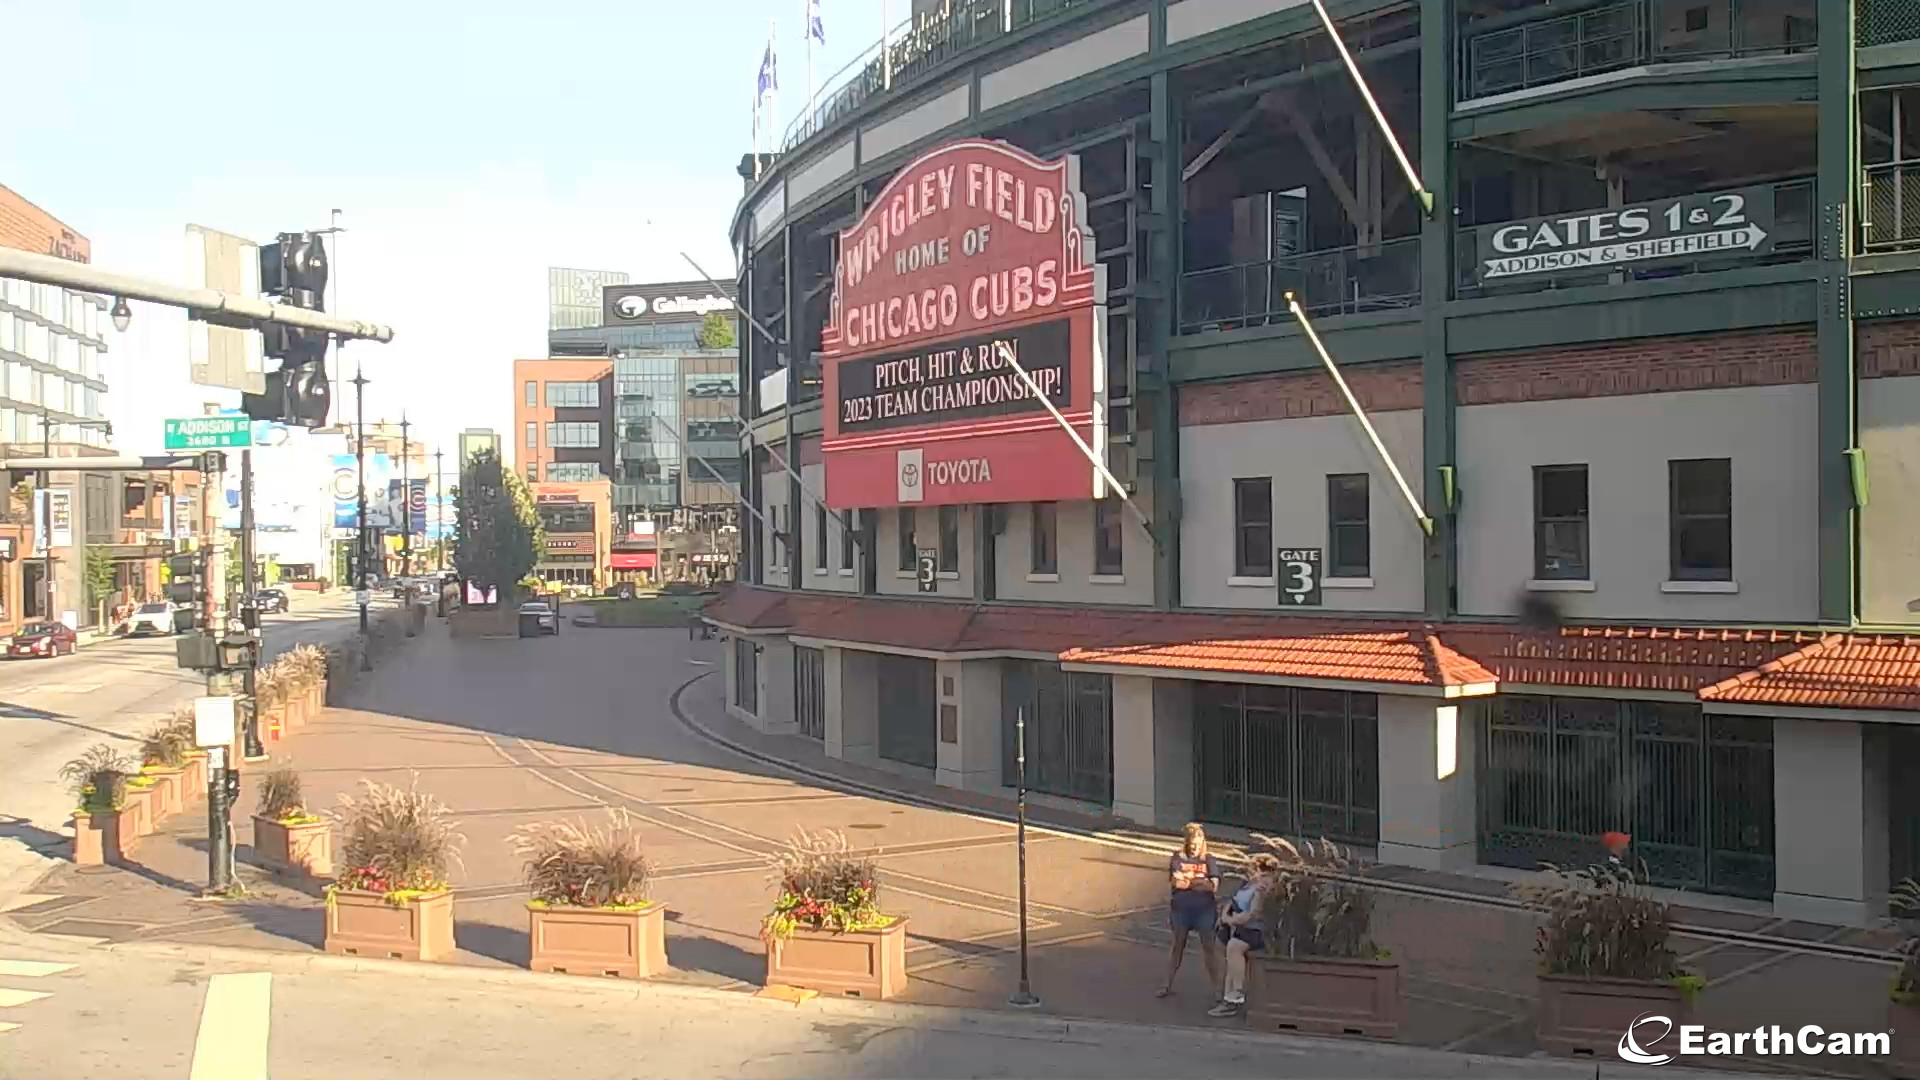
<point>910,475</point>
<point>630,307</point>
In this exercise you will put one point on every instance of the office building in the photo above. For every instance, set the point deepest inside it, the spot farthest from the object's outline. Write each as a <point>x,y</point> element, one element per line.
<point>1649,369</point>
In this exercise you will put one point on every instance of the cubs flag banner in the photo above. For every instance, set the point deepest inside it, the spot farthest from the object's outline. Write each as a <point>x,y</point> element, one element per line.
<point>763,96</point>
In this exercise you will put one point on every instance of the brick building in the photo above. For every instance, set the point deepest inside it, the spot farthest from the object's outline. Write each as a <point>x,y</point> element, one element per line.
<point>1650,370</point>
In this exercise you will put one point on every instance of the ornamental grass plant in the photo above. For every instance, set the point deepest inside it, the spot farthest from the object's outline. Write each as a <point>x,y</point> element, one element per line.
<point>1603,922</point>
<point>574,864</point>
<point>281,799</point>
<point>399,842</point>
<point>98,778</point>
<point>822,884</point>
<point>1314,908</point>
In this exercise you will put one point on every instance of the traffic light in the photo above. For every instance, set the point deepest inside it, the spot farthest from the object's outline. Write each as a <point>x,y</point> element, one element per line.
<point>294,268</point>
<point>187,585</point>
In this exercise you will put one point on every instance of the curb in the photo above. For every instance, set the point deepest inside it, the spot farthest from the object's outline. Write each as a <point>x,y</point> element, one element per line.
<point>952,1019</point>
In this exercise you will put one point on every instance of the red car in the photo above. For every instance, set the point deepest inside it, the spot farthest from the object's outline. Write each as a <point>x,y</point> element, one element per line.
<point>43,639</point>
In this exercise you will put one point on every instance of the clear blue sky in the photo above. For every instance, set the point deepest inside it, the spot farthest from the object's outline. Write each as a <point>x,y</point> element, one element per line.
<point>469,145</point>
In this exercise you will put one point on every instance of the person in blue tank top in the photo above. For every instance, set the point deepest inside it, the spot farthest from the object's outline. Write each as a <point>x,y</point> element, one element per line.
<point>1242,931</point>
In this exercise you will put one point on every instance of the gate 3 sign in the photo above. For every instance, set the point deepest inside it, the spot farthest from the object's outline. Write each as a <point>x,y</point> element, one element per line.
<point>1707,225</point>
<point>975,246</point>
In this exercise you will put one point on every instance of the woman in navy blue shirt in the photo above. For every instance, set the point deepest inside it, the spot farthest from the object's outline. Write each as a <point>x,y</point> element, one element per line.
<point>1195,878</point>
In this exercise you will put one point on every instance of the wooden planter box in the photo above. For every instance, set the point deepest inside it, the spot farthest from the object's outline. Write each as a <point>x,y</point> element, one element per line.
<point>193,781</point>
<point>1905,1022</point>
<point>1587,1016</point>
<point>169,786</point>
<point>304,847</point>
<point>858,963</point>
<point>1325,996</point>
<point>137,815</point>
<point>598,941</point>
<point>99,839</point>
<point>364,924</point>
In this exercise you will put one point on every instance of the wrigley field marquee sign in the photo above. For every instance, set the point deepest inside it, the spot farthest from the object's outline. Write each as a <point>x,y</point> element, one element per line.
<point>1688,228</point>
<point>974,250</point>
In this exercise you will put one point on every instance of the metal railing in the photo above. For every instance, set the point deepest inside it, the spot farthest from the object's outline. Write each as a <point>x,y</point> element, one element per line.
<point>1890,206</point>
<point>1882,22</point>
<point>1792,231</point>
<point>913,48</point>
<point>1332,281</point>
<point>1625,33</point>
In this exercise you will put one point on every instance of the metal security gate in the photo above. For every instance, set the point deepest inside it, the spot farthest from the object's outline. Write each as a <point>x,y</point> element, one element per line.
<point>1694,791</point>
<point>1301,762</point>
<point>746,675</point>
<point>909,711</point>
<point>1904,789</point>
<point>810,691</point>
<point>1069,730</point>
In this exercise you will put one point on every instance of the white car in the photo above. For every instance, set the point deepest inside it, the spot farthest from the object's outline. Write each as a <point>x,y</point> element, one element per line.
<point>151,619</point>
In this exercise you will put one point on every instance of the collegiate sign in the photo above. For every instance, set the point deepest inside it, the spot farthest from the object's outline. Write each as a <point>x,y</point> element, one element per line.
<point>1707,225</point>
<point>974,251</point>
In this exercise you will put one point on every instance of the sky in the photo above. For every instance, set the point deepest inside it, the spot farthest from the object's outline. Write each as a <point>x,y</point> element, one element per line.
<point>469,147</point>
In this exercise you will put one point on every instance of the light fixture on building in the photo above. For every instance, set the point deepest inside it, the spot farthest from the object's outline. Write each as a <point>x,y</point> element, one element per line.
<point>121,314</point>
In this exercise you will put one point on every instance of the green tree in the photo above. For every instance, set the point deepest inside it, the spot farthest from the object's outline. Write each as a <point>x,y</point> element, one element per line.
<point>716,331</point>
<point>98,575</point>
<point>499,535</point>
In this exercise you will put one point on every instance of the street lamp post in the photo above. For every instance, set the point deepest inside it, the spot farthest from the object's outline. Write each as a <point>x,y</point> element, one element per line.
<point>360,531</point>
<point>439,512</point>
<point>406,503</point>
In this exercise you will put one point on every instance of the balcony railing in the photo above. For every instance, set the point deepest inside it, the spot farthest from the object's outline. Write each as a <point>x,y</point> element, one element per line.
<point>1792,231</point>
<point>1626,33</point>
<point>1883,22</point>
<point>914,48</point>
<point>1334,281</point>
<point>1890,206</point>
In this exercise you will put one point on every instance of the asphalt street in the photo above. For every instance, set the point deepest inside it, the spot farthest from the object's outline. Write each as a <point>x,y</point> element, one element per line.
<point>112,691</point>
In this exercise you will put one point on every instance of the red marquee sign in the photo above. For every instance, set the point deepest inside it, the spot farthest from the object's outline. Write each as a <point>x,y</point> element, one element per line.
<point>975,245</point>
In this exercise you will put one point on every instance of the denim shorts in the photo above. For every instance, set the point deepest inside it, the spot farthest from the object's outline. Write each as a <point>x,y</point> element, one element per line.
<point>1195,917</point>
<point>1250,934</point>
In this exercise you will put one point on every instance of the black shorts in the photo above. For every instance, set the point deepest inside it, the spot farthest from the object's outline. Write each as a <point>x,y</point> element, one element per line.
<point>1250,934</point>
<point>1184,917</point>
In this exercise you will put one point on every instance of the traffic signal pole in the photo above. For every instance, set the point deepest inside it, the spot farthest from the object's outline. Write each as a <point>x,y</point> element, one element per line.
<point>249,613</point>
<point>219,684</point>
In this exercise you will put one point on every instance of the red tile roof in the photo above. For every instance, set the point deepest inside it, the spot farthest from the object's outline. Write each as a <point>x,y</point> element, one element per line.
<point>1775,667</point>
<point>1840,671</point>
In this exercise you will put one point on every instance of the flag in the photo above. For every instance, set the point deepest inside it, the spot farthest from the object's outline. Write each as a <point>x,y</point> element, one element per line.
<point>769,77</point>
<point>816,31</point>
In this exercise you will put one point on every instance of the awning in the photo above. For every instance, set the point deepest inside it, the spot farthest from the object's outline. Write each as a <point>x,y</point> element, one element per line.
<point>635,560</point>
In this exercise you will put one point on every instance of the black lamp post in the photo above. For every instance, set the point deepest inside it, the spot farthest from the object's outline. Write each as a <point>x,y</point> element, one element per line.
<point>439,513</point>
<point>406,504</point>
<point>1024,997</point>
<point>360,531</point>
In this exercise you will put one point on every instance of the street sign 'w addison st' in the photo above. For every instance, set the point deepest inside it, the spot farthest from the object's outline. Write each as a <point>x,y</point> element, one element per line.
<point>974,245</point>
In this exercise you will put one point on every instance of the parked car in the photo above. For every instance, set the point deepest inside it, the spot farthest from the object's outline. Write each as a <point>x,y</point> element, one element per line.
<point>43,639</point>
<point>270,601</point>
<point>539,617</point>
<point>154,618</point>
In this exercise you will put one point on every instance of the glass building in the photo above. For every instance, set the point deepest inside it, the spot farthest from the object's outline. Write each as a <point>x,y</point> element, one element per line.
<point>647,418</point>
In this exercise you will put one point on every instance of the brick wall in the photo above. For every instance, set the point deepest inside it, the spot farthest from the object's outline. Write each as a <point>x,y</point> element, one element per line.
<point>1298,394</point>
<point>1639,366</point>
<point>26,227</point>
<point>1887,347</point>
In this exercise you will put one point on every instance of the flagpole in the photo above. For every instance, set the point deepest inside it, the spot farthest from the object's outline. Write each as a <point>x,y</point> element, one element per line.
<point>806,26</point>
<point>756,132</point>
<point>886,47</point>
<point>773,92</point>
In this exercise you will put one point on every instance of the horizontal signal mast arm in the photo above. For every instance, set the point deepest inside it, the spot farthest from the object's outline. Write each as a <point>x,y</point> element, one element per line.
<point>209,304</point>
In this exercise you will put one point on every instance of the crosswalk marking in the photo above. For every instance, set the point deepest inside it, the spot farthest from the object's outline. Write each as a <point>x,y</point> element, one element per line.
<point>232,1043</point>
<point>32,969</point>
<point>10,997</point>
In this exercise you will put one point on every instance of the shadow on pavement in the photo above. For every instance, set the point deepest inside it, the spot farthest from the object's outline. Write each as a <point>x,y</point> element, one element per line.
<point>11,711</point>
<point>716,957</point>
<point>495,942</point>
<point>32,836</point>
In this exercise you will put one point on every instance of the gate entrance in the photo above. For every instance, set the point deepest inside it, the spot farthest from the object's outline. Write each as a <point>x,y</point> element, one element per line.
<point>1299,762</point>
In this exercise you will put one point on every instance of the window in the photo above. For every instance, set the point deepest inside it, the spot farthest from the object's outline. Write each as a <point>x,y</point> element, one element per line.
<point>533,395</point>
<point>1253,527</point>
<point>579,436</point>
<point>533,471</point>
<point>1701,523</point>
<point>1106,538</point>
<point>573,472</point>
<point>746,676</point>
<point>1349,537</point>
<point>949,539</point>
<point>846,539</point>
<point>533,435</point>
<point>909,556</point>
<point>1044,539</point>
<point>1560,523</point>
<point>820,538</point>
<point>573,395</point>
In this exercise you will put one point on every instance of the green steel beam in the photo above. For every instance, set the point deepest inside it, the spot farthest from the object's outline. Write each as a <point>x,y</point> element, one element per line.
<point>1839,170</point>
<point>1437,410</point>
<point>1783,83</point>
<point>1151,382</point>
<point>1891,293</point>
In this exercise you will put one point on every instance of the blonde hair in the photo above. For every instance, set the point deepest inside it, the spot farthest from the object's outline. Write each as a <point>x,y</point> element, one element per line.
<point>1263,863</point>
<point>1196,835</point>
